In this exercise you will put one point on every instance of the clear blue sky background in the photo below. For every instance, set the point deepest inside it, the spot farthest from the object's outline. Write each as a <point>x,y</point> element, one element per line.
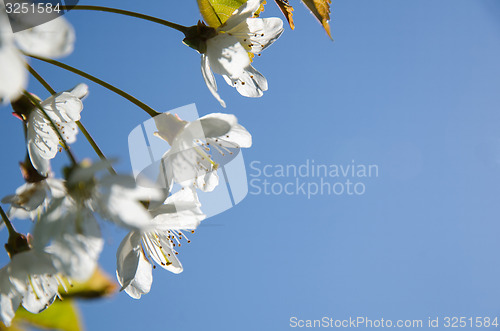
<point>412,86</point>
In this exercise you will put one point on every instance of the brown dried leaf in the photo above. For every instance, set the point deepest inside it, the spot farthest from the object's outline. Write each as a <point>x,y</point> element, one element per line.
<point>321,10</point>
<point>287,10</point>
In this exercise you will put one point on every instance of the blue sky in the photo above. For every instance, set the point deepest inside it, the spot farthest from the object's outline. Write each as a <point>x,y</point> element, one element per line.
<point>411,86</point>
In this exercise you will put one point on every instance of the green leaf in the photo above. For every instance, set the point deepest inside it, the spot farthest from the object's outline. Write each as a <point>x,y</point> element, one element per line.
<point>321,10</point>
<point>61,316</point>
<point>216,12</point>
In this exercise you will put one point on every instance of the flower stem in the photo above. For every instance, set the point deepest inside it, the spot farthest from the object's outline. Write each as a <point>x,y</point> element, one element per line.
<point>40,79</point>
<point>7,222</point>
<point>61,138</point>
<point>82,128</point>
<point>175,26</point>
<point>110,87</point>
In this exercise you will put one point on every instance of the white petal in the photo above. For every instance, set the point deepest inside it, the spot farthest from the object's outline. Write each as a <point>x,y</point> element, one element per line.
<point>250,83</point>
<point>184,197</point>
<point>127,258</point>
<point>41,164</point>
<point>240,136</point>
<point>55,38</point>
<point>42,142</point>
<point>216,125</point>
<point>174,264</point>
<point>180,212</point>
<point>8,307</point>
<point>127,213</point>
<point>76,255</point>
<point>142,281</point>
<point>188,219</point>
<point>225,127</point>
<point>186,166</point>
<point>50,225</point>
<point>28,196</point>
<point>14,77</point>
<point>56,186</point>
<point>210,79</point>
<point>189,160</point>
<point>6,34</point>
<point>80,91</point>
<point>87,173</point>
<point>31,200</point>
<point>29,263</point>
<point>245,11</point>
<point>128,188</point>
<point>75,238</point>
<point>20,214</point>
<point>41,293</point>
<point>134,272</point>
<point>256,34</point>
<point>63,107</point>
<point>9,298</point>
<point>227,56</point>
<point>169,126</point>
<point>119,201</point>
<point>208,182</point>
<point>159,247</point>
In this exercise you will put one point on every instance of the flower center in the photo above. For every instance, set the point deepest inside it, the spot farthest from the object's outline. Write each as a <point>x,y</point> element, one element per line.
<point>160,247</point>
<point>41,287</point>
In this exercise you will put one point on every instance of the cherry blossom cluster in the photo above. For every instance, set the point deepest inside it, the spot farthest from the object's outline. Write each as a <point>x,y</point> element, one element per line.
<point>67,209</point>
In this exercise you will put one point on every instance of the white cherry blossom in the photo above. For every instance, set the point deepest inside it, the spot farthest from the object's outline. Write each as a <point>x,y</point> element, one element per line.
<point>69,229</point>
<point>227,52</point>
<point>64,110</point>
<point>189,161</point>
<point>29,279</point>
<point>31,199</point>
<point>114,197</point>
<point>72,236</point>
<point>140,249</point>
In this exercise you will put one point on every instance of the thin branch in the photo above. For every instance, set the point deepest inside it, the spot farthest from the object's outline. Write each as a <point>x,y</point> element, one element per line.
<point>151,112</point>
<point>175,26</point>
<point>94,146</point>
<point>40,79</point>
<point>7,222</point>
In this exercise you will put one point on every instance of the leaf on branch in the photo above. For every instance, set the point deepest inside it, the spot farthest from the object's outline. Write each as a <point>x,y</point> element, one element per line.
<point>287,10</point>
<point>99,285</point>
<point>321,10</point>
<point>61,316</point>
<point>260,10</point>
<point>216,12</point>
